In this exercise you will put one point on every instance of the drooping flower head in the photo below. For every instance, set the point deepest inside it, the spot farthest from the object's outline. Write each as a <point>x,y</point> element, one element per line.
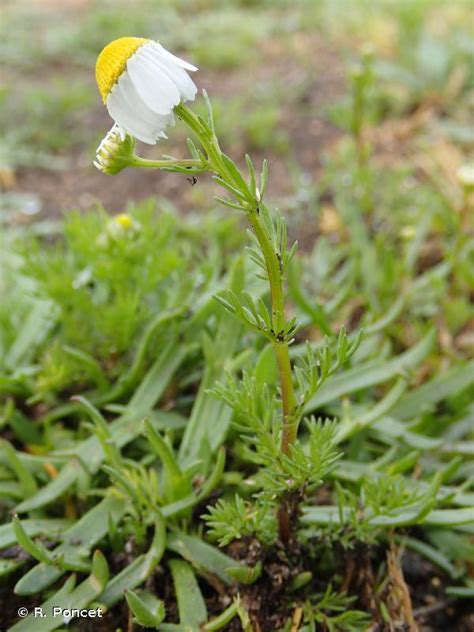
<point>140,83</point>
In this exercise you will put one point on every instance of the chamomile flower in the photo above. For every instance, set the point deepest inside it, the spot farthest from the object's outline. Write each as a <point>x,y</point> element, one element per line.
<point>140,83</point>
<point>117,229</point>
<point>115,152</point>
<point>121,225</point>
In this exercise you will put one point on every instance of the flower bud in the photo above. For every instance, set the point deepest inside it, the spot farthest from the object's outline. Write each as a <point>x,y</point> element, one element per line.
<point>115,152</point>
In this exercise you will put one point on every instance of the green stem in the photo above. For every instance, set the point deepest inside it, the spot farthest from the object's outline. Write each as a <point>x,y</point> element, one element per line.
<point>273,264</point>
<point>209,142</point>
<point>281,349</point>
<point>164,164</point>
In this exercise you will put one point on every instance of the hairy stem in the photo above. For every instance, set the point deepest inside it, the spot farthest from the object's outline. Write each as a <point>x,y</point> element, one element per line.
<point>272,262</point>
<point>275,277</point>
<point>192,165</point>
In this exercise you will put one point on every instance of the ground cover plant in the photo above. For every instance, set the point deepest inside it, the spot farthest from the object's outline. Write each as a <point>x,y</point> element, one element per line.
<point>206,426</point>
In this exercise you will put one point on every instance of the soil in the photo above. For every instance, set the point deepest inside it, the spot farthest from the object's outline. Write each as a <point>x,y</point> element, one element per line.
<point>270,603</point>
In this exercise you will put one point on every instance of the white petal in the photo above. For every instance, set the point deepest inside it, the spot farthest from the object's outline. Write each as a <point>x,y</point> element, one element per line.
<point>177,60</point>
<point>142,112</point>
<point>122,114</point>
<point>157,91</point>
<point>175,73</point>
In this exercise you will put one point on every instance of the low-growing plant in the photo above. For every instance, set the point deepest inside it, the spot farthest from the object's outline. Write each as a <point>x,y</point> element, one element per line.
<point>216,396</point>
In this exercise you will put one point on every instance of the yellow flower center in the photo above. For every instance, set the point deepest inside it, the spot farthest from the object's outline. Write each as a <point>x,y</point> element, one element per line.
<point>124,220</point>
<point>112,62</point>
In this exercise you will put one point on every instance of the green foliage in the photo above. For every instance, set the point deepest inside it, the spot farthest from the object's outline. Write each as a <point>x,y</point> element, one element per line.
<point>176,405</point>
<point>105,277</point>
<point>333,610</point>
<point>105,283</point>
<point>234,519</point>
<point>318,365</point>
<point>255,315</point>
<point>306,466</point>
<point>46,118</point>
<point>147,609</point>
<point>252,119</point>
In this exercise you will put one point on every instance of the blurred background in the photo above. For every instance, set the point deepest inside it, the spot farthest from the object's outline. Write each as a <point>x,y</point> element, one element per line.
<point>284,78</point>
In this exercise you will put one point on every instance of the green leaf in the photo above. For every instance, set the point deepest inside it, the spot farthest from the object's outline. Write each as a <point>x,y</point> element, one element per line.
<point>428,395</point>
<point>210,113</point>
<point>35,549</point>
<point>77,542</point>
<point>33,331</point>
<point>24,428</point>
<point>450,517</point>
<point>9,566</point>
<point>47,623</point>
<point>52,527</point>
<point>27,481</point>
<point>191,606</point>
<point>175,484</point>
<point>266,368</point>
<point>245,574</point>
<point>436,517</point>
<point>463,592</point>
<point>236,176</point>
<point>264,179</point>
<point>351,426</point>
<point>251,170</point>
<point>234,190</point>
<point>174,627</point>
<point>194,499</point>
<point>90,365</point>
<point>210,418</point>
<point>389,428</point>
<point>204,557</point>
<point>431,554</point>
<point>228,203</point>
<point>387,319</point>
<point>365,376</point>
<point>147,609</point>
<point>157,379</point>
<point>54,489</point>
<point>223,619</point>
<point>102,431</point>
<point>139,570</point>
<point>123,430</point>
<point>68,598</point>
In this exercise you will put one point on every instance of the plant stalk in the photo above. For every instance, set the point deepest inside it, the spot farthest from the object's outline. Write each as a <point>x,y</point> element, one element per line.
<point>275,278</point>
<point>192,165</point>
